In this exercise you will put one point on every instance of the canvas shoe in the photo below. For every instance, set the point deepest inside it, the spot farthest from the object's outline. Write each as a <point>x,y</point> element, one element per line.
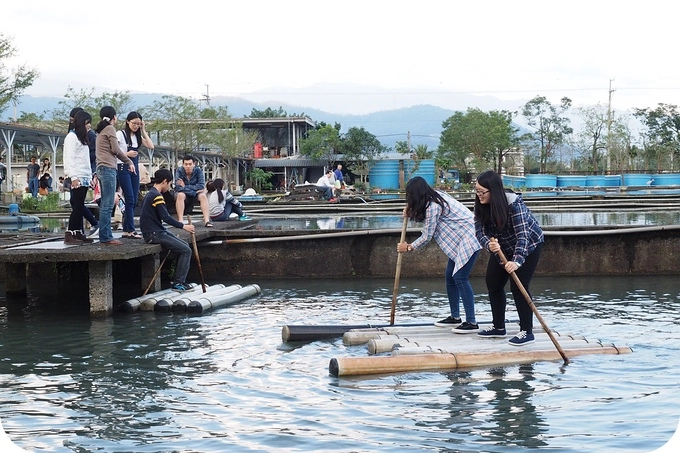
<point>466,327</point>
<point>244,218</point>
<point>492,332</point>
<point>448,322</point>
<point>522,338</point>
<point>179,287</point>
<point>94,231</point>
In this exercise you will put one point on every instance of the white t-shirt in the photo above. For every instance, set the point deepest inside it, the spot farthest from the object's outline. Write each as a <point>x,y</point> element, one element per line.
<point>122,144</point>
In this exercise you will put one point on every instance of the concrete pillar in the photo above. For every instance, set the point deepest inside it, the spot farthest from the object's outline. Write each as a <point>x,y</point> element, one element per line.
<point>101,288</point>
<point>150,271</point>
<point>15,280</point>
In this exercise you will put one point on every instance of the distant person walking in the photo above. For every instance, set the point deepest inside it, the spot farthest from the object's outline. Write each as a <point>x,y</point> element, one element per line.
<point>32,173</point>
<point>3,172</point>
<point>107,152</point>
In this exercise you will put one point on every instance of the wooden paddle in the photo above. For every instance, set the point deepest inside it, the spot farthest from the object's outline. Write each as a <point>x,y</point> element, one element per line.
<point>395,290</point>
<point>198,258</point>
<point>533,308</point>
<point>158,271</point>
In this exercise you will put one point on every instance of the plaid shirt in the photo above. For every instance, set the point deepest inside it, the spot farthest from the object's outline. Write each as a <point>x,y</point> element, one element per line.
<point>520,236</point>
<point>452,229</point>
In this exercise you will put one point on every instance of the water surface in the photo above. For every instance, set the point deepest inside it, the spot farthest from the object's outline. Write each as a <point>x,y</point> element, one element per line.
<point>224,381</point>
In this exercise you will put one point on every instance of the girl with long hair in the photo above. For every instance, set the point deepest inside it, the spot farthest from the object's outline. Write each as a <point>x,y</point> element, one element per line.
<point>451,225</point>
<point>221,203</point>
<point>77,168</point>
<point>129,140</point>
<point>503,222</point>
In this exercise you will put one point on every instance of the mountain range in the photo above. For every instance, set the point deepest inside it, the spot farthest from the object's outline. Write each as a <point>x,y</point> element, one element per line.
<point>422,121</point>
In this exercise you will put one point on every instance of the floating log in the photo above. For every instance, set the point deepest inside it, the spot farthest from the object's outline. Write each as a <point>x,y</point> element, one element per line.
<point>132,305</point>
<point>320,332</point>
<point>176,304</point>
<point>362,336</point>
<point>149,304</point>
<point>355,366</point>
<point>204,303</point>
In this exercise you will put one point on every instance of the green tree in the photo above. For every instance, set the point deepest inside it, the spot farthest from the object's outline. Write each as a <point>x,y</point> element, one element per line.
<point>483,138</point>
<point>13,81</point>
<point>551,127</point>
<point>361,151</point>
<point>228,136</point>
<point>321,143</point>
<point>174,120</point>
<point>662,134</point>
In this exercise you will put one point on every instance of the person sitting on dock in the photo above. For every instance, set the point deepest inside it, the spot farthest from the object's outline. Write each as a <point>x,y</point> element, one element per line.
<point>154,213</point>
<point>222,203</point>
<point>325,186</point>
<point>190,187</point>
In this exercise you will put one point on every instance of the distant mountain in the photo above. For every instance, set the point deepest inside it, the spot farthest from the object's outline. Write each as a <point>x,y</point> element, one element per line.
<point>422,121</point>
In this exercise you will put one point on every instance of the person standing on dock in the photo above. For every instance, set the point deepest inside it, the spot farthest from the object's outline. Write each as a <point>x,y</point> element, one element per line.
<point>32,172</point>
<point>452,226</point>
<point>503,222</point>
<point>154,213</point>
<point>78,169</point>
<point>130,138</point>
<point>107,152</point>
<point>190,186</point>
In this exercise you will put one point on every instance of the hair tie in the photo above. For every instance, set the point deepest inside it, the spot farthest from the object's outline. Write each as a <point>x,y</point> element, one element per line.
<point>106,118</point>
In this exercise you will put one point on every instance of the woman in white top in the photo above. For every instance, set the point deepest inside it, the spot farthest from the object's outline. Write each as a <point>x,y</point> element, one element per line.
<point>221,203</point>
<point>129,139</point>
<point>77,167</point>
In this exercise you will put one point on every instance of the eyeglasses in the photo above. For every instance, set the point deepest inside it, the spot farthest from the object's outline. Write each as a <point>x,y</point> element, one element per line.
<point>481,192</point>
<point>135,123</point>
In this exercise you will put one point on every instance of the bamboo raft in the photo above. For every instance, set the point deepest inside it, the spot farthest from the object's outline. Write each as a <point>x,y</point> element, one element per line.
<point>430,348</point>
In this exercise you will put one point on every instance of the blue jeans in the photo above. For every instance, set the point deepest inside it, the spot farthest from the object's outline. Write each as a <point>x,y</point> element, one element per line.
<point>107,184</point>
<point>177,245</point>
<point>129,183</point>
<point>327,191</point>
<point>228,208</point>
<point>33,185</point>
<point>458,287</point>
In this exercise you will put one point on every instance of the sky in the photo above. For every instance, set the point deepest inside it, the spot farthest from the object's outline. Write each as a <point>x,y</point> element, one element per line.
<point>355,56</point>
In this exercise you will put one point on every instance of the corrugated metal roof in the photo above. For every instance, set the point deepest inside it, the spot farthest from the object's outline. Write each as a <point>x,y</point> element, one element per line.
<point>270,163</point>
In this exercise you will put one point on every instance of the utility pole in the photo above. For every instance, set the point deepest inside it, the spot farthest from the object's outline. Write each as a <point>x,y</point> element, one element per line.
<point>609,126</point>
<point>206,96</point>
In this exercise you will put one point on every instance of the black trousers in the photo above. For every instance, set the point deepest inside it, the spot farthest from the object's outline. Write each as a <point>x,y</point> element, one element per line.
<point>497,278</point>
<point>75,220</point>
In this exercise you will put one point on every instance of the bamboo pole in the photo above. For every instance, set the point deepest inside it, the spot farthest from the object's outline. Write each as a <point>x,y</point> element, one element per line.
<point>533,307</point>
<point>395,290</point>
<point>198,258</point>
<point>356,366</point>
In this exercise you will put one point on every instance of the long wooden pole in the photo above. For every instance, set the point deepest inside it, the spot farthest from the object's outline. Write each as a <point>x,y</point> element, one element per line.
<point>395,290</point>
<point>158,271</point>
<point>534,309</point>
<point>198,258</point>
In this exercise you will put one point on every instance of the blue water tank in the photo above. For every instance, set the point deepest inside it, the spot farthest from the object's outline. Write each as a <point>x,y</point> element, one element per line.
<point>426,170</point>
<point>13,209</point>
<point>384,175</point>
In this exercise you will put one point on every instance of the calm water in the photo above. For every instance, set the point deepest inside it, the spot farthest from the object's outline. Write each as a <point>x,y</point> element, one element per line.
<point>552,219</point>
<point>224,381</point>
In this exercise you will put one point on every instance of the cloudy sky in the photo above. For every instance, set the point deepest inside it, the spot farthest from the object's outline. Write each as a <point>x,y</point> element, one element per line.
<point>355,56</point>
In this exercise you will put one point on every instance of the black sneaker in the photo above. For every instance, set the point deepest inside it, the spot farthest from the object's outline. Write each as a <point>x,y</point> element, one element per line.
<point>492,332</point>
<point>466,327</point>
<point>179,287</point>
<point>448,322</point>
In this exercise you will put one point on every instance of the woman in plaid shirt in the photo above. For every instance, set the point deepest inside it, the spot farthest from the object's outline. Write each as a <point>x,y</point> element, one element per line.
<point>503,222</point>
<point>452,226</point>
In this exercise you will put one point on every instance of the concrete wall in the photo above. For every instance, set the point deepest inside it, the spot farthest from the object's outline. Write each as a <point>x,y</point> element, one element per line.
<point>655,252</point>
